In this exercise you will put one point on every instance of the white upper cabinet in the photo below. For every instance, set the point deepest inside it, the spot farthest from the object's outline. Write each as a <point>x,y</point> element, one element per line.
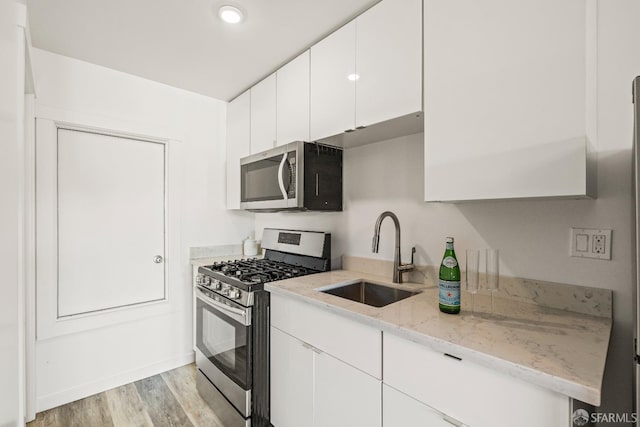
<point>333,83</point>
<point>505,90</point>
<point>389,61</point>
<point>263,115</point>
<point>369,71</point>
<point>292,99</point>
<point>238,140</point>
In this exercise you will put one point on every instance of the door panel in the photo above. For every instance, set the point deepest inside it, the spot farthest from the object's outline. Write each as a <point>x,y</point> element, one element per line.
<point>292,101</point>
<point>344,395</point>
<point>110,222</point>
<point>333,86</point>
<point>389,61</point>
<point>263,115</point>
<point>291,381</point>
<point>238,142</point>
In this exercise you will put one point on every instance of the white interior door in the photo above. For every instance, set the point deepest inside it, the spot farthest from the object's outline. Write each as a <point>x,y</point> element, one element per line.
<point>101,228</point>
<point>111,221</point>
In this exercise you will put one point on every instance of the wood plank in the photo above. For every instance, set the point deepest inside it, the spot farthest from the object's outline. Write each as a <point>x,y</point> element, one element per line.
<point>182,383</point>
<point>127,408</point>
<point>161,404</point>
<point>45,419</point>
<point>91,411</point>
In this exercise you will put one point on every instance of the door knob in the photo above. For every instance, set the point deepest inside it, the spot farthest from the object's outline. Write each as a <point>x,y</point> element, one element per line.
<point>158,259</point>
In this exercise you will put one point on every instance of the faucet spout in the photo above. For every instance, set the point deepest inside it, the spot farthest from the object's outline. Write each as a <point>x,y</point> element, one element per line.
<point>398,267</point>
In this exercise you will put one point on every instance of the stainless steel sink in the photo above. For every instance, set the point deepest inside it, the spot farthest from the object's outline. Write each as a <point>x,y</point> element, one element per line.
<point>368,293</point>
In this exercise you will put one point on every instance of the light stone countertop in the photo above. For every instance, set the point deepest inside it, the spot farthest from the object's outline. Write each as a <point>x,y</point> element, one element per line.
<point>201,262</point>
<point>556,349</point>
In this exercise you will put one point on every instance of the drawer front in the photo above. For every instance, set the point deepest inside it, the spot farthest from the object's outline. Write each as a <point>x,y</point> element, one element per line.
<point>400,410</point>
<point>473,394</point>
<point>352,342</point>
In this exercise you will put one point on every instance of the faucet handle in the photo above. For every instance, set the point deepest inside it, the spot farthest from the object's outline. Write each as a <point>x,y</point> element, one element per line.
<point>413,251</point>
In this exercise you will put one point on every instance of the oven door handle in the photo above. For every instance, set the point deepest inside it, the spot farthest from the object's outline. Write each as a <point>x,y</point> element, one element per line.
<point>283,190</point>
<point>237,314</point>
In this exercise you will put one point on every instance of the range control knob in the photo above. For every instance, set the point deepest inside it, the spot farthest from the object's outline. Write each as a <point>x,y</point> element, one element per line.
<point>206,280</point>
<point>234,294</point>
<point>215,284</point>
<point>199,278</point>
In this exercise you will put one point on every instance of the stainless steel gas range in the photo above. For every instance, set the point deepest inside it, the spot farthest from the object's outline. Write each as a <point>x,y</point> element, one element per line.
<point>232,322</point>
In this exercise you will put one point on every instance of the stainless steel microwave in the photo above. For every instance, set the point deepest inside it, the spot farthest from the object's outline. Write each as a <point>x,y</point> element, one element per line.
<point>297,176</point>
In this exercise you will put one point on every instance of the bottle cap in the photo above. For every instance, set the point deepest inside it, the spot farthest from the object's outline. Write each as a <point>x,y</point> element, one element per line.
<point>449,240</point>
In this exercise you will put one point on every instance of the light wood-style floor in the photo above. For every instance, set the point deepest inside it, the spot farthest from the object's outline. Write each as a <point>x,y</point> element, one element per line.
<point>167,399</point>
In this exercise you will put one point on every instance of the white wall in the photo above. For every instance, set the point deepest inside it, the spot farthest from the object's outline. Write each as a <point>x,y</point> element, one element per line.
<point>9,223</point>
<point>533,236</point>
<point>79,364</point>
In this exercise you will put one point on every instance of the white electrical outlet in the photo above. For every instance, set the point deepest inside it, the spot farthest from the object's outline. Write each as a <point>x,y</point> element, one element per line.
<point>590,243</point>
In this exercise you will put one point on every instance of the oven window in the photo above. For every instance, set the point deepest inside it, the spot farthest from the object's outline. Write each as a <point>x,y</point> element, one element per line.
<point>225,342</point>
<point>259,180</point>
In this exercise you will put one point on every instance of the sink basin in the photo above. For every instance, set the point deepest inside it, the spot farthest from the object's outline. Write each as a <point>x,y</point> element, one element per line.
<point>368,293</point>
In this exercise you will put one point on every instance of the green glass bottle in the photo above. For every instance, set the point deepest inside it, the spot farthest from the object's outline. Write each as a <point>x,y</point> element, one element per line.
<point>449,281</point>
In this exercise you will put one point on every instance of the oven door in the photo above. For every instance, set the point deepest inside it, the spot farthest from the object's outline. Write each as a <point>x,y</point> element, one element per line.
<point>270,180</point>
<point>223,346</point>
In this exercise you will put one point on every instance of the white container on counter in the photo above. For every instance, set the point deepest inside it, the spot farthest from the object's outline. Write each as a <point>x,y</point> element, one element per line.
<point>250,247</point>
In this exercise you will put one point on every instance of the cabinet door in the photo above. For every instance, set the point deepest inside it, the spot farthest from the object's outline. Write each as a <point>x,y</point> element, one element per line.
<point>505,86</point>
<point>400,410</point>
<point>333,83</point>
<point>291,381</point>
<point>263,115</point>
<point>344,395</point>
<point>389,61</point>
<point>238,140</point>
<point>292,99</point>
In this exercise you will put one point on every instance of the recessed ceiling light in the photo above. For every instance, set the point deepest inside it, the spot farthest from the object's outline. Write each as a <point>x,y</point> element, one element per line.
<point>353,77</point>
<point>230,14</point>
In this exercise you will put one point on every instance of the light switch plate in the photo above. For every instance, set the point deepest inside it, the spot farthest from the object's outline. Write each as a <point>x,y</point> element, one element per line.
<point>590,243</point>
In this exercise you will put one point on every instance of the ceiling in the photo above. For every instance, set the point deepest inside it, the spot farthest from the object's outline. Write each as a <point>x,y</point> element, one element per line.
<point>183,43</point>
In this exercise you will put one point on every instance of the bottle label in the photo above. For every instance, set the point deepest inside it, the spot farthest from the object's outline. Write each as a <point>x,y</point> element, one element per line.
<point>449,262</point>
<point>450,293</point>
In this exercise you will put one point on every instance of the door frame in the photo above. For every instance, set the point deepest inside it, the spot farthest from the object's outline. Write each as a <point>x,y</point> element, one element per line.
<point>46,327</point>
<point>116,134</point>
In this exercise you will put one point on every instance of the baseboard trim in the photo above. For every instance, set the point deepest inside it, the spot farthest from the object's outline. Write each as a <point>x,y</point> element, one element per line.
<point>71,395</point>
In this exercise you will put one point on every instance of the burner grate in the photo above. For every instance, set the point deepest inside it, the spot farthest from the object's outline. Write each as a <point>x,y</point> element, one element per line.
<point>257,271</point>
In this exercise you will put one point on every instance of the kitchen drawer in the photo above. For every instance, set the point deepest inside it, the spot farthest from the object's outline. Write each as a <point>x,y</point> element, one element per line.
<point>348,340</point>
<point>466,391</point>
<point>400,410</point>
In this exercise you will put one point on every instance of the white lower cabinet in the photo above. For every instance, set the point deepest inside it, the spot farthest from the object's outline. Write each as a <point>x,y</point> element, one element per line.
<point>331,371</point>
<point>313,388</point>
<point>291,381</point>
<point>400,410</point>
<point>326,370</point>
<point>344,395</point>
<point>468,393</point>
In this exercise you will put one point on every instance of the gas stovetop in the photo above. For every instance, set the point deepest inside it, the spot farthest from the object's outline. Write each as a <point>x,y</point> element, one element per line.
<point>256,271</point>
<point>238,280</point>
<point>289,254</point>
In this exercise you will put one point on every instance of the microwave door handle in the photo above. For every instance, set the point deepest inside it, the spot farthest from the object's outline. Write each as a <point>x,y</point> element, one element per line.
<point>280,179</point>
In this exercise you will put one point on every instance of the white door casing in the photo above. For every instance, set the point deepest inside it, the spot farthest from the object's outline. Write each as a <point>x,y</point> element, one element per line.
<point>101,221</point>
